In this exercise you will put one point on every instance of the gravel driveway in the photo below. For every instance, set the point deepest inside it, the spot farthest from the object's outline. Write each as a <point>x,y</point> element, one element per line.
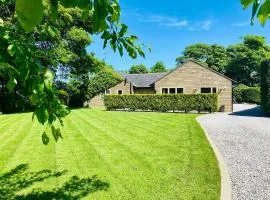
<point>243,139</point>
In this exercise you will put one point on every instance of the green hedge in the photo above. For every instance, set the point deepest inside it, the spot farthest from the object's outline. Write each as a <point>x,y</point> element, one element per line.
<point>177,102</point>
<point>245,94</point>
<point>265,86</point>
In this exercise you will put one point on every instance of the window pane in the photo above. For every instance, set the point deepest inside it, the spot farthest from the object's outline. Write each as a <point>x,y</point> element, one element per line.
<point>172,90</point>
<point>120,91</point>
<point>108,92</point>
<point>214,90</point>
<point>180,90</point>
<point>164,90</point>
<point>205,90</point>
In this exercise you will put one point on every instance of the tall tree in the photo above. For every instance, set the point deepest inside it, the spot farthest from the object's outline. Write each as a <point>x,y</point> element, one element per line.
<point>214,56</point>
<point>159,67</point>
<point>246,58</point>
<point>39,36</point>
<point>138,69</point>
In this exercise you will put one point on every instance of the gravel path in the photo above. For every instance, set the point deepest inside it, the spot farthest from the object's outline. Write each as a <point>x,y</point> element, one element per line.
<point>243,138</point>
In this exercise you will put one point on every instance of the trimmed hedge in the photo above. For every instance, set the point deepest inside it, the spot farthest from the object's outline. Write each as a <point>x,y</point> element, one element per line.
<point>164,103</point>
<point>265,86</point>
<point>245,94</point>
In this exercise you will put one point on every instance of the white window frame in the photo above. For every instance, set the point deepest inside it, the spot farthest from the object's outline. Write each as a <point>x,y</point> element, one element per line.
<point>172,88</point>
<point>120,90</point>
<point>106,92</point>
<point>211,90</point>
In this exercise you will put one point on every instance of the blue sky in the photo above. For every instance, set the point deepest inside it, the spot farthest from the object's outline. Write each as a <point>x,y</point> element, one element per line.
<point>169,27</point>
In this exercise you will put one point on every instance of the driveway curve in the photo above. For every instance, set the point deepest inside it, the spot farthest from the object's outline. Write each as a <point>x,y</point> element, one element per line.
<point>243,139</point>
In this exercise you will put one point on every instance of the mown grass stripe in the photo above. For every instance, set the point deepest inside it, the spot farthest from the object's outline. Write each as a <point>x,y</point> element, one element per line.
<point>7,129</point>
<point>9,147</point>
<point>99,163</point>
<point>145,135</point>
<point>140,163</point>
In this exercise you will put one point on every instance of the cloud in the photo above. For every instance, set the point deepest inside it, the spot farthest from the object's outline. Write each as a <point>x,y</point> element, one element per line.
<point>162,20</point>
<point>241,24</point>
<point>172,21</point>
<point>207,24</point>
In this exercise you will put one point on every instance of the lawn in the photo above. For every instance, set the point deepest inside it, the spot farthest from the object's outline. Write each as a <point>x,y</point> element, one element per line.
<point>108,155</point>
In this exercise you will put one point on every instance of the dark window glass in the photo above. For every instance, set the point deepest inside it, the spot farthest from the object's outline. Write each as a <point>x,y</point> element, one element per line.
<point>172,90</point>
<point>180,90</point>
<point>205,90</point>
<point>120,91</point>
<point>164,90</point>
<point>214,90</point>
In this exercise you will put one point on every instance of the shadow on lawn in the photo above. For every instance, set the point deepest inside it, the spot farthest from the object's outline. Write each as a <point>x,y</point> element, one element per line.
<point>19,178</point>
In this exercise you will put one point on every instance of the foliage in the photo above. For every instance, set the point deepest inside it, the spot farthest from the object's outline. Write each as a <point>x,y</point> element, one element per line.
<point>265,87</point>
<point>56,35</point>
<point>246,58</point>
<point>138,69</point>
<point>260,9</point>
<point>177,102</point>
<point>214,56</point>
<point>245,94</point>
<point>102,81</point>
<point>159,67</point>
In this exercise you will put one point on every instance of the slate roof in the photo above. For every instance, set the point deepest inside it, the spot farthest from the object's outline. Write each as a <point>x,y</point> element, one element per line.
<point>143,80</point>
<point>146,80</point>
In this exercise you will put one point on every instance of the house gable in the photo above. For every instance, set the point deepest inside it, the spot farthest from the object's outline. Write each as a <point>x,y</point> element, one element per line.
<point>192,77</point>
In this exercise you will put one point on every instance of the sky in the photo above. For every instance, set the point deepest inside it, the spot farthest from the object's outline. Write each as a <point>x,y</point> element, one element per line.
<point>169,26</point>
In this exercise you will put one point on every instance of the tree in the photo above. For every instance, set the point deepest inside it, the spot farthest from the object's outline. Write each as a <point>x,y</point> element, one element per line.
<point>159,67</point>
<point>246,58</point>
<point>138,69</point>
<point>38,37</point>
<point>260,9</point>
<point>214,56</point>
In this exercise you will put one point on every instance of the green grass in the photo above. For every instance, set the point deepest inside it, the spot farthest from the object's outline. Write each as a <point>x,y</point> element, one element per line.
<point>108,155</point>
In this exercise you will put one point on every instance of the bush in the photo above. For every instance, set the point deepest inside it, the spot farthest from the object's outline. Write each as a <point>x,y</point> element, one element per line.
<point>265,87</point>
<point>101,81</point>
<point>164,103</point>
<point>245,94</point>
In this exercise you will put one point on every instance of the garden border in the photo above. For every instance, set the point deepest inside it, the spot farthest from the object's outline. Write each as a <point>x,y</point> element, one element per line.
<point>226,184</point>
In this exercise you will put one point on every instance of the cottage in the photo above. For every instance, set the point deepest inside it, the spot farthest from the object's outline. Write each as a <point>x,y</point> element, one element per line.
<point>189,78</point>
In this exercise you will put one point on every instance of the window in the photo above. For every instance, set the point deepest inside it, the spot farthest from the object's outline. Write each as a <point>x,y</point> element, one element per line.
<point>180,90</point>
<point>206,90</point>
<point>107,91</point>
<point>172,90</point>
<point>214,90</point>
<point>164,90</point>
<point>119,92</point>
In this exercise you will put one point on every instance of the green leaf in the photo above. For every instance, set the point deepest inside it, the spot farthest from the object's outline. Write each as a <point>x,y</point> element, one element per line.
<point>30,13</point>
<point>11,84</point>
<point>120,49</point>
<point>42,115</point>
<point>76,3</point>
<point>48,79</point>
<point>264,12</point>
<point>254,10</point>
<point>11,49</point>
<point>123,30</point>
<point>99,15</point>
<point>45,138</point>
<point>54,9</point>
<point>56,133</point>
<point>246,3</point>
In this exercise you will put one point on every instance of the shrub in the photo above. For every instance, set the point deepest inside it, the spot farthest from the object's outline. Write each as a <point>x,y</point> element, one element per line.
<point>103,80</point>
<point>265,86</point>
<point>243,93</point>
<point>164,103</point>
